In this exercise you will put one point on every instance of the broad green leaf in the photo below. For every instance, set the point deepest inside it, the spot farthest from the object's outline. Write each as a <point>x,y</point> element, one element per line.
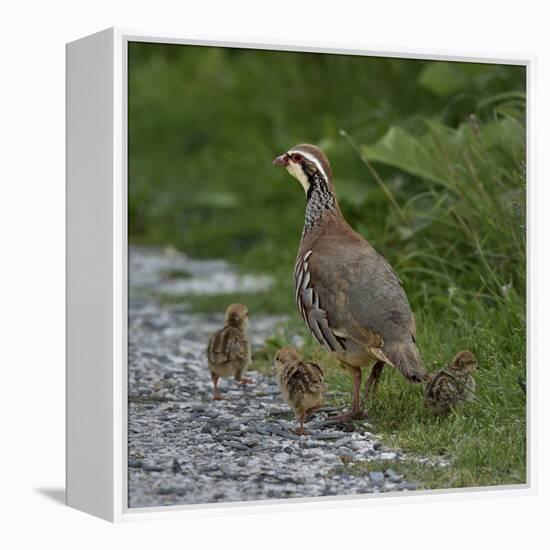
<point>443,78</point>
<point>414,155</point>
<point>439,154</point>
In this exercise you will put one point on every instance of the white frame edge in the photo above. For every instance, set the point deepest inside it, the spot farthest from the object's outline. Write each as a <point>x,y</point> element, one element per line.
<point>97,274</point>
<point>90,144</point>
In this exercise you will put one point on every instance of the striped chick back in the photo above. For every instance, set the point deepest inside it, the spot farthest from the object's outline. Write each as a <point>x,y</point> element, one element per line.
<point>447,389</point>
<point>228,352</point>
<point>302,385</point>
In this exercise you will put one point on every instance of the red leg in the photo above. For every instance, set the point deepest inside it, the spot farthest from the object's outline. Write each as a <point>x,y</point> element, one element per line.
<point>217,395</point>
<point>356,410</point>
<point>300,430</point>
<point>243,380</point>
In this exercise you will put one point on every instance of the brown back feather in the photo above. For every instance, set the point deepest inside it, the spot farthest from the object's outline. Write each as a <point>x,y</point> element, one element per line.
<point>227,344</point>
<point>301,378</point>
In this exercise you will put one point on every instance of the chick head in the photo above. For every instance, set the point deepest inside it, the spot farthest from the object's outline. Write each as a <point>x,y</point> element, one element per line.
<point>236,316</point>
<point>464,361</point>
<point>284,357</point>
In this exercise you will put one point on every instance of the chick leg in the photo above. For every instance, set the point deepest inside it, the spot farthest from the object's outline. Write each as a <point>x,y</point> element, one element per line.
<point>356,410</point>
<point>217,395</point>
<point>300,430</point>
<point>372,382</point>
<point>241,380</point>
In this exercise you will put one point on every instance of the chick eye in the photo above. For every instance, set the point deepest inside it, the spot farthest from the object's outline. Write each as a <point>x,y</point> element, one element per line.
<point>296,157</point>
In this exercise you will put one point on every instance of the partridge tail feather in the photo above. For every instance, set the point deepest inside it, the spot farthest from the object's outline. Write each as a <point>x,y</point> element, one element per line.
<point>406,359</point>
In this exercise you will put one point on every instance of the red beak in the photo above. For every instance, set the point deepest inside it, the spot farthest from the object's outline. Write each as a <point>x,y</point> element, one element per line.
<point>281,160</point>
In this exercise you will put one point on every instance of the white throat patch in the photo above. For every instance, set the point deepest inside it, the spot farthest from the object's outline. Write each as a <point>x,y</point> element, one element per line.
<point>295,169</point>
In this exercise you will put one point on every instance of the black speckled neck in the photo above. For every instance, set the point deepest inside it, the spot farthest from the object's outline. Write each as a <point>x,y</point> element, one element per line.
<point>320,201</point>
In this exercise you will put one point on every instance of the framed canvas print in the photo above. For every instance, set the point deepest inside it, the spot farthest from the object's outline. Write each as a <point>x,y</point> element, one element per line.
<point>295,274</point>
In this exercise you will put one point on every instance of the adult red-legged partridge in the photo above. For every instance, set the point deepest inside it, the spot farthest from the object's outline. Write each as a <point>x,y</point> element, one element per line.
<point>301,383</point>
<point>348,295</point>
<point>450,387</point>
<point>229,348</point>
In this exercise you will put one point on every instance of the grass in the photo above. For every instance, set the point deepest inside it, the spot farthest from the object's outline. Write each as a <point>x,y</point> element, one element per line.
<point>434,179</point>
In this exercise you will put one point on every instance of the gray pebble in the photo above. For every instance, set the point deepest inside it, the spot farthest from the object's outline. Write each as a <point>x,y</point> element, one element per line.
<point>236,445</point>
<point>394,476</point>
<point>288,435</point>
<point>166,490</point>
<point>327,435</point>
<point>377,477</point>
<point>152,468</point>
<point>388,456</point>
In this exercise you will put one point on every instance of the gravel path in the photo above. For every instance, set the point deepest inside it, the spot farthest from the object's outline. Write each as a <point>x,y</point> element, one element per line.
<point>186,449</point>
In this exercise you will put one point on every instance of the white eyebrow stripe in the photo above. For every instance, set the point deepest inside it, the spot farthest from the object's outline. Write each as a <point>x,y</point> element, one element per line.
<point>312,159</point>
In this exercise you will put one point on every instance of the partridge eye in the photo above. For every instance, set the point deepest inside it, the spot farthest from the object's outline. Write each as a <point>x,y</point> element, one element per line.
<point>296,157</point>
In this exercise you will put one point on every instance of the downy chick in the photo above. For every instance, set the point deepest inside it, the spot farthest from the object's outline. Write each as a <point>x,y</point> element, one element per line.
<point>301,383</point>
<point>450,387</point>
<point>229,348</point>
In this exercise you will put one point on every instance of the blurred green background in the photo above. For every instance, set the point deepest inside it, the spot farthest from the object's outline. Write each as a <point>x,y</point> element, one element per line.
<point>429,165</point>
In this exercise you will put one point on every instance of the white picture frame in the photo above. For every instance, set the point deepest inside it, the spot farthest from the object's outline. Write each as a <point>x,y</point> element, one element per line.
<point>97,273</point>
